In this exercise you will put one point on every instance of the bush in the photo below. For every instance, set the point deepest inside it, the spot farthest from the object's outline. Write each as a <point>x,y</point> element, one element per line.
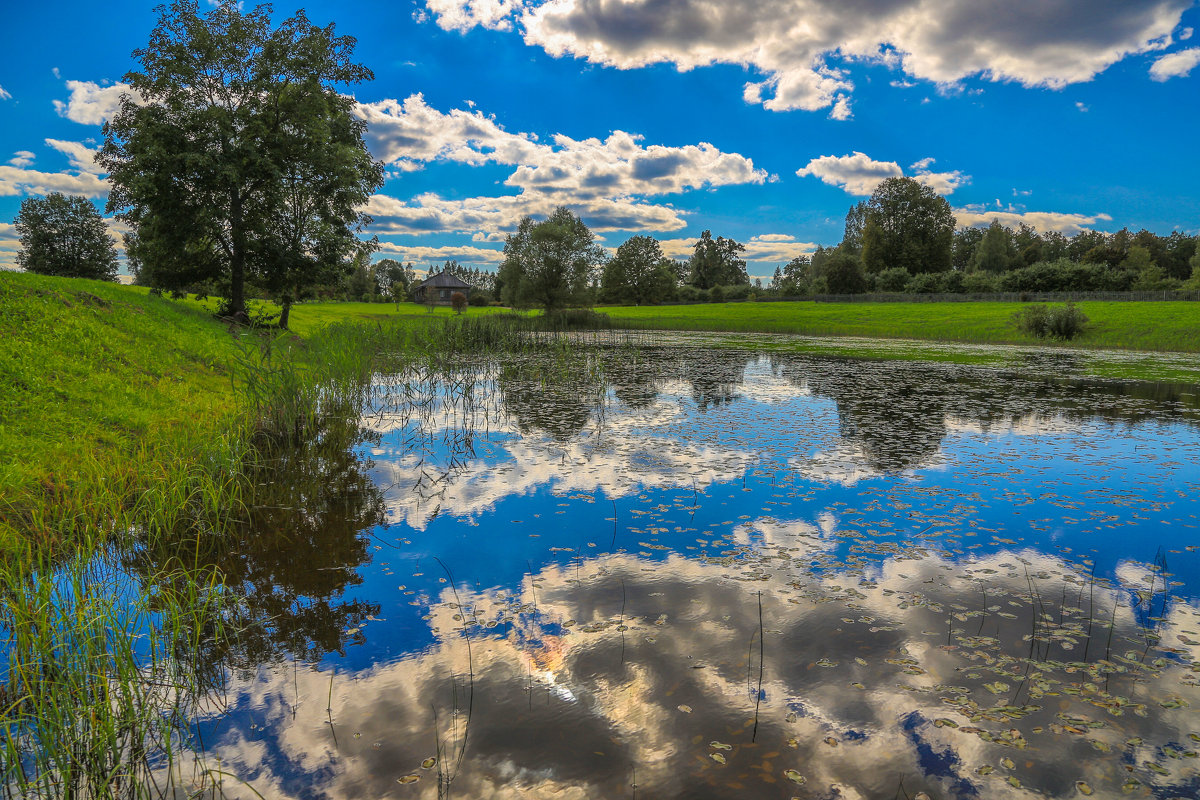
<point>717,294</point>
<point>925,283</point>
<point>458,301</point>
<point>844,275</point>
<point>479,298</point>
<point>739,291</point>
<point>688,293</point>
<point>1057,322</point>
<point>892,280</point>
<point>980,283</point>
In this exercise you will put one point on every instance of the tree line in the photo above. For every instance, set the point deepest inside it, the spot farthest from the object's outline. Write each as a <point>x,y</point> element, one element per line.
<point>903,239</point>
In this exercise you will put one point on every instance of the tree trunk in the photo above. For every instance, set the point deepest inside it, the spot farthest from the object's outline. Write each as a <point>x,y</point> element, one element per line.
<point>283,315</point>
<point>237,262</point>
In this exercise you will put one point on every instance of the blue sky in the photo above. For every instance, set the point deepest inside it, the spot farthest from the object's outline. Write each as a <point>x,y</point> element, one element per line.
<point>761,120</point>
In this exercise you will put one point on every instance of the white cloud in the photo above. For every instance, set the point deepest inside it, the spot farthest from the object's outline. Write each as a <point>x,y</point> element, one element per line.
<point>410,132</point>
<point>775,247</point>
<point>462,15</point>
<point>859,174</point>
<point>1044,221</point>
<point>797,45</point>
<point>90,103</point>
<point>82,157</point>
<point>21,158</point>
<point>1175,65</point>
<point>4,95</point>
<point>422,254</point>
<point>15,181</point>
<point>605,181</point>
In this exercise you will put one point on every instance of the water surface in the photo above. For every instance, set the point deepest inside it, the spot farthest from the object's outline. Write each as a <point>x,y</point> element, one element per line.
<point>699,573</point>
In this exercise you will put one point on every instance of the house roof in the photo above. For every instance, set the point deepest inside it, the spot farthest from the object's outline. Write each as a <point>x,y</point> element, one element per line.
<point>444,280</point>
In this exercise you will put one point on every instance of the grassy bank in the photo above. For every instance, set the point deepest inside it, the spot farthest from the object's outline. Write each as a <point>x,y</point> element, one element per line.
<point>1150,326</point>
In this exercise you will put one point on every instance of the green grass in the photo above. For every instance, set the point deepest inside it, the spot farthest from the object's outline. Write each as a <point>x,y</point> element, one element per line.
<point>1150,326</point>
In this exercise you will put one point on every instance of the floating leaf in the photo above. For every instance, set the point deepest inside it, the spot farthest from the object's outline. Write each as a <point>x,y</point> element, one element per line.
<point>408,779</point>
<point>717,757</point>
<point>428,763</point>
<point>1084,789</point>
<point>794,776</point>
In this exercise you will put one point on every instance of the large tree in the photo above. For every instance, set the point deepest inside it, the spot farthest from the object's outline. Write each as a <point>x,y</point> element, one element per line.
<point>549,264</point>
<point>907,225</point>
<point>717,262</point>
<point>995,251</point>
<point>639,272</point>
<point>64,236</point>
<point>235,155</point>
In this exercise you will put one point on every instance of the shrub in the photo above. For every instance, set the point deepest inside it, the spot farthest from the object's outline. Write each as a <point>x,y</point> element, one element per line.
<point>737,292</point>
<point>980,283</point>
<point>717,294</point>
<point>458,301</point>
<point>925,283</point>
<point>479,298</point>
<point>892,280</point>
<point>844,275</point>
<point>688,293</point>
<point>1057,322</point>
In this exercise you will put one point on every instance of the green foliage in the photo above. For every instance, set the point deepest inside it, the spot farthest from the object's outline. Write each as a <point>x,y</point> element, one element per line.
<point>458,301</point>
<point>716,294</point>
<point>907,225</point>
<point>717,262</point>
<point>892,280</point>
<point>64,236</point>
<point>479,298</point>
<point>549,264</point>
<point>639,273</point>
<point>995,252</point>
<point>844,275</point>
<point>1056,322</point>
<point>236,154</point>
<point>980,283</point>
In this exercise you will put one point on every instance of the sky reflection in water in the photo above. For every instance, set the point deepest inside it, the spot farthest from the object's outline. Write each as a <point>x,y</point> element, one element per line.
<point>713,574</point>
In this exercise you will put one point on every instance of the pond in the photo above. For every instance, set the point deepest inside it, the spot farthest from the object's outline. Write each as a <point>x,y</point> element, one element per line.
<point>681,572</point>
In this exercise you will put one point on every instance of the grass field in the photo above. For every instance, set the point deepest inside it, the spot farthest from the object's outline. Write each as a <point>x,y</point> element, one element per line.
<point>1163,327</point>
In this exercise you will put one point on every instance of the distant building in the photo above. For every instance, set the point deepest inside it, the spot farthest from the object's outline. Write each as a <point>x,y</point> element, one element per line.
<point>439,288</point>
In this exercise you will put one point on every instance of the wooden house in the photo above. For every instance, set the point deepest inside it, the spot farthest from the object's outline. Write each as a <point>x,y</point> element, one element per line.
<point>439,288</point>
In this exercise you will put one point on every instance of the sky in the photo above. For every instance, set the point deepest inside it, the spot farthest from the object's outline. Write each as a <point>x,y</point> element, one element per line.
<point>760,120</point>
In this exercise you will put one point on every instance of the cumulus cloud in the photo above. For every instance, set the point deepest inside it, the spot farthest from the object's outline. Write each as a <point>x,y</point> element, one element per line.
<point>1175,65</point>
<point>777,247</point>
<point>21,158</point>
<point>606,181</point>
<point>464,254</point>
<point>82,157</point>
<point>1044,221</point>
<point>800,47</point>
<point>859,174</point>
<point>15,181</point>
<point>90,103</point>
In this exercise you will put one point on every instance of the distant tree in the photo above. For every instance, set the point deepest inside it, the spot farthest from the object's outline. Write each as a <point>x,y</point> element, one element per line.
<point>639,272</point>
<point>395,279</point>
<point>844,275</point>
<point>962,247</point>
<point>907,225</point>
<point>64,236</point>
<point>549,264</point>
<point>856,221</point>
<point>717,262</point>
<point>794,277</point>
<point>236,156</point>
<point>995,251</point>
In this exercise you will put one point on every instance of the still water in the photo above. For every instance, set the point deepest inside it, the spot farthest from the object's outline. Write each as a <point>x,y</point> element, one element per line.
<point>703,573</point>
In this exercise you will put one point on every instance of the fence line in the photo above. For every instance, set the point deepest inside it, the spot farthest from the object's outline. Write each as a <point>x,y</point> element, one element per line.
<point>1003,297</point>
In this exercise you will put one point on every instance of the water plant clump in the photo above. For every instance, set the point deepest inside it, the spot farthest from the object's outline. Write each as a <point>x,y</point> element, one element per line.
<point>1063,322</point>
